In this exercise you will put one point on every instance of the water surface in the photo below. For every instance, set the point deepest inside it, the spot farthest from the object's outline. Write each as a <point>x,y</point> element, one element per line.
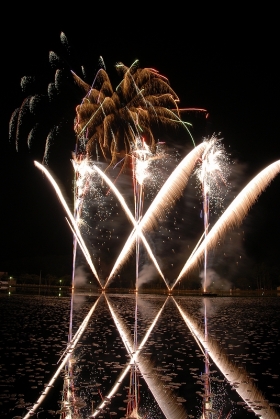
<point>243,335</point>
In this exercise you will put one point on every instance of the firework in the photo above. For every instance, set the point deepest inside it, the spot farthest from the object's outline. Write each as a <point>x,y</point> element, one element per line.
<point>108,121</point>
<point>212,174</point>
<point>168,194</point>
<point>234,214</point>
<point>73,223</point>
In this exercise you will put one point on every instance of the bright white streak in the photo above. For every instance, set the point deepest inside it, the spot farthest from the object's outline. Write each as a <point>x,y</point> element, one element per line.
<point>69,351</point>
<point>170,410</point>
<point>72,219</point>
<point>194,329</point>
<point>126,338</point>
<point>168,194</point>
<point>198,243</point>
<point>234,214</point>
<point>246,388</point>
<point>137,229</point>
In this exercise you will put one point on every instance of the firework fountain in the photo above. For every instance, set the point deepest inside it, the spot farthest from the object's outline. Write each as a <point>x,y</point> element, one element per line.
<point>232,217</point>
<point>212,174</point>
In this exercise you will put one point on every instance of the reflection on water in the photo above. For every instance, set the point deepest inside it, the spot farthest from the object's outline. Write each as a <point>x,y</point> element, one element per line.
<point>228,368</point>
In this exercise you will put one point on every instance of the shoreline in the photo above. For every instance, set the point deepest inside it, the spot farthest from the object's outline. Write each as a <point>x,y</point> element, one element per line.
<point>146,291</point>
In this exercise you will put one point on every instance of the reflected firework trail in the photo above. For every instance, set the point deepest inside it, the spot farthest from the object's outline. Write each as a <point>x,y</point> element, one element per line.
<point>234,214</point>
<point>208,397</point>
<point>169,193</point>
<point>164,397</point>
<point>67,353</point>
<point>129,347</point>
<point>72,219</point>
<point>236,376</point>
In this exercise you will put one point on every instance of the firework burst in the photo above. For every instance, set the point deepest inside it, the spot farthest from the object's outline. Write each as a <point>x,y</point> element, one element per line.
<point>108,121</point>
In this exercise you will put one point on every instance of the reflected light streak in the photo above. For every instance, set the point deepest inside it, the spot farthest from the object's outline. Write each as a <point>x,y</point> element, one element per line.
<point>234,214</point>
<point>238,377</point>
<point>162,396</point>
<point>193,327</point>
<point>68,351</point>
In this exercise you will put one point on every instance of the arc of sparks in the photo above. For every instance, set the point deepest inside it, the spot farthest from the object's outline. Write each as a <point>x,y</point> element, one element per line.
<point>234,214</point>
<point>168,194</point>
<point>68,351</point>
<point>136,229</point>
<point>246,389</point>
<point>71,218</point>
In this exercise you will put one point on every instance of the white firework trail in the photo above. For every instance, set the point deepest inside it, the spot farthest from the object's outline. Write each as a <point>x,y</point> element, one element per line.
<point>71,218</point>
<point>234,214</point>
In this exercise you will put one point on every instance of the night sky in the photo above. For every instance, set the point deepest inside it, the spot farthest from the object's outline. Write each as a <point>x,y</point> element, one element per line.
<point>229,69</point>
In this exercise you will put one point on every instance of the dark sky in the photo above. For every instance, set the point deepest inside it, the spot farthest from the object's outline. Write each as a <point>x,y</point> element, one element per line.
<point>228,68</point>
